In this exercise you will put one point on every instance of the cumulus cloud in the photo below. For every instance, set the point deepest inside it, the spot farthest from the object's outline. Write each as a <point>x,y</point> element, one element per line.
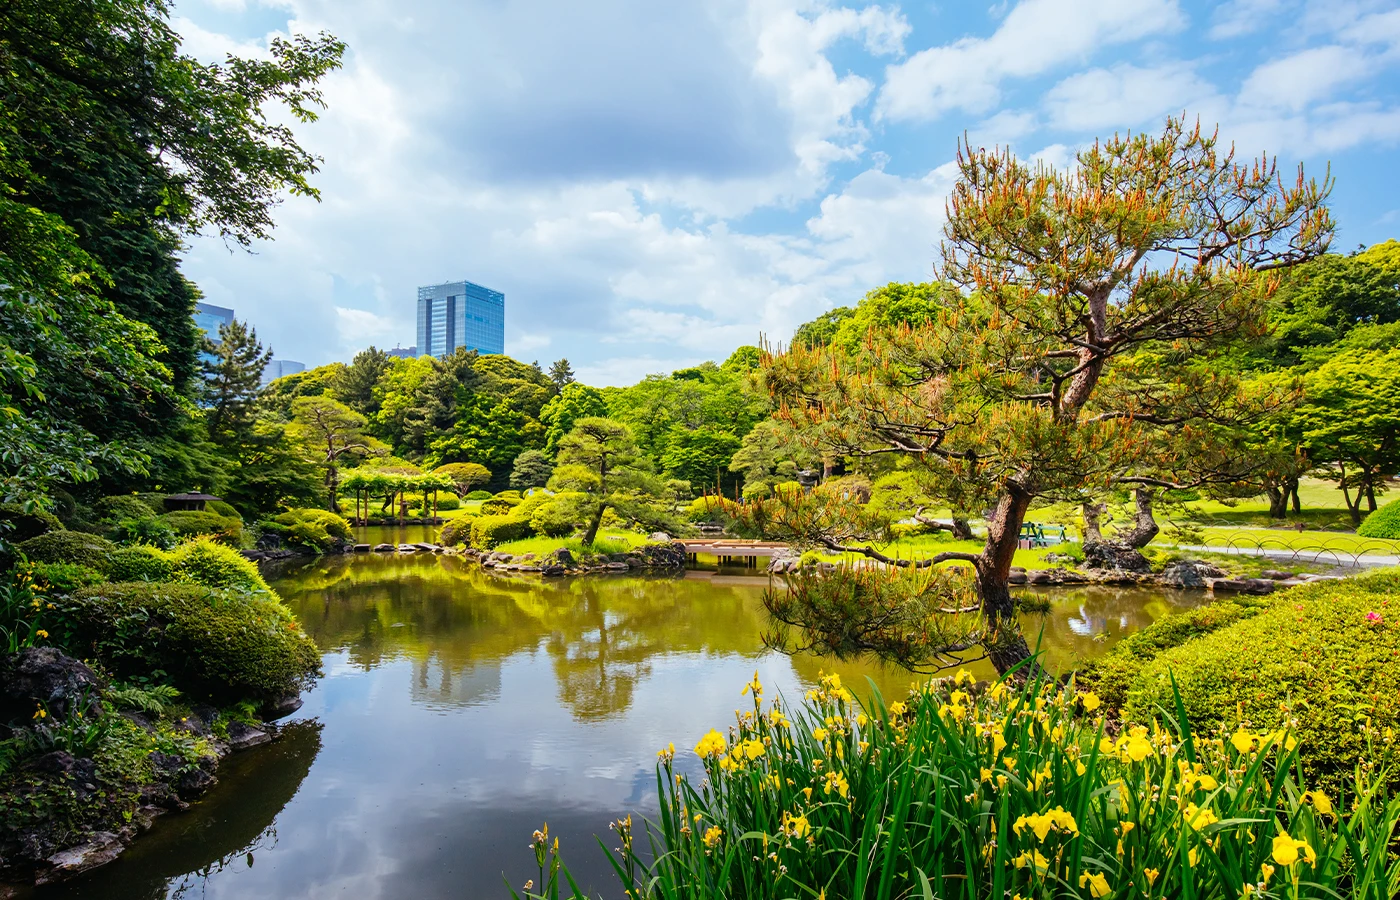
<point>1035,37</point>
<point>1126,95</point>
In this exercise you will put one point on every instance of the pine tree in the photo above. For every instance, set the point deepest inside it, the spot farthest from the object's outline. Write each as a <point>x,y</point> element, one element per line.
<point>561,374</point>
<point>233,370</point>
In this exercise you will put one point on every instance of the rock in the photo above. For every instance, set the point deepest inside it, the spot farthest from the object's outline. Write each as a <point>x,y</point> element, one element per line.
<point>383,548</point>
<point>1016,578</point>
<point>1244,585</point>
<point>1112,556</point>
<point>426,547</point>
<point>362,548</point>
<point>282,706</point>
<point>194,783</point>
<point>80,773</point>
<point>563,557</point>
<point>1189,573</point>
<point>529,568</point>
<point>407,548</point>
<point>527,556</point>
<point>242,737</point>
<point>553,570</point>
<point>616,566</point>
<point>1276,575</point>
<point>659,537</point>
<point>269,540</point>
<point>1056,576</point>
<point>100,850</point>
<point>44,675</point>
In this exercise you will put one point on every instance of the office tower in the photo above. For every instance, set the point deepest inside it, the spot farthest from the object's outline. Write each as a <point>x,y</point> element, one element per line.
<point>208,318</point>
<point>403,352</point>
<point>460,314</point>
<point>280,368</point>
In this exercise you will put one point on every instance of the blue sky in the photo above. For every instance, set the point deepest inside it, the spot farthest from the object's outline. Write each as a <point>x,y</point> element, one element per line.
<point>653,184</point>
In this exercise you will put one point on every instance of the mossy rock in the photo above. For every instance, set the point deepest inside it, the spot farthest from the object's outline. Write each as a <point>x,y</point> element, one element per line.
<point>222,645</point>
<point>25,524</point>
<point>76,547</point>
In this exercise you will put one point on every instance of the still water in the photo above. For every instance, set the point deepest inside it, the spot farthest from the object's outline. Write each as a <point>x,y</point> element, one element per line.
<point>460,710</point>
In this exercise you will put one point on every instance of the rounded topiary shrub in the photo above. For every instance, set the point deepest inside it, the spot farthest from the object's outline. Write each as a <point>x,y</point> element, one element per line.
<point>204,562</point>
<point>479,495</point>
<point>314,529</point>
<point>220,508</point>
<point>189,522</point>
<point>76,547</point>
<point>18,524</point>
<point>1383,523</point>
<point>1325,655</point>
<point>122,506</point>
<point>142,563</point>
<point>446,500</point>
<point>212,644</point>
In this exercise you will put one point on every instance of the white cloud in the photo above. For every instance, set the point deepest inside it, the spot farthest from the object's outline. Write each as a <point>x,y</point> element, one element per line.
<point>1126,96</point>
<point>1035,36</point>
<point>357,328</point>
<point>1241,17</point>
<point>1303,78</point>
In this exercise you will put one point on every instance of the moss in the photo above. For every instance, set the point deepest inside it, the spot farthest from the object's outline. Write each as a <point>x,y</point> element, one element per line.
<point>122,506</point>
<point>75,547</point>
<point>1326,654</point>
<point>62,578</point>
<point>222,645</point>
<point>1383,523</point>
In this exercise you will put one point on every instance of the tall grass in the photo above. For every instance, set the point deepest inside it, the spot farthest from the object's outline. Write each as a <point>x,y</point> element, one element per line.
<point>1009,792</point>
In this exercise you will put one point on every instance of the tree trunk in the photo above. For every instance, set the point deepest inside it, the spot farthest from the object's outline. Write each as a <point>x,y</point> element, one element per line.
<point>1292,485</point>
<point>1278,501</point>
<point>332,483</point>
<point>1353,509</point>
<point>1124,551</point>
<point>1370,496</point>
<point>592,534</point>
<point>961,529</point>
<point>1145,523</point>
<point>1005,645</point>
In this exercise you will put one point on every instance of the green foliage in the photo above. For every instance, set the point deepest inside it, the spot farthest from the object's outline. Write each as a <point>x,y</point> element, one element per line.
<point>140,563</point>
<point>573,402</point>
<point>498,506</point>
<point>232,366</point>
<point>211,643</point>
<point>464,476</point>
<point>448,501</point>
<point>556,516</point>
<point>158,532</point>
<point>479,495</point>
<point>20,522</point>
<point>530,469</point>
<point>214,565</point>
<point>220,508</point>
<point>986,795</point>
<point>74,547</point>
<point>1324,656</point>
<point>314,529</point>
<point>62,578</point>
<point>156,699</point>
<point>1350,420</point>
<point>1383,523</point>
<point>489,530</point>
<point>601,469</point>
<point>709,509</point>
<point>125,506</point>
<point>191,522</point>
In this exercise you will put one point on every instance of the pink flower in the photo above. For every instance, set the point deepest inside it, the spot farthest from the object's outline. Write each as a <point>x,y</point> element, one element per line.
<point>1373,617</point>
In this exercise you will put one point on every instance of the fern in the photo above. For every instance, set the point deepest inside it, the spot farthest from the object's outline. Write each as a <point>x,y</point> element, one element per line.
<point>155,699</point>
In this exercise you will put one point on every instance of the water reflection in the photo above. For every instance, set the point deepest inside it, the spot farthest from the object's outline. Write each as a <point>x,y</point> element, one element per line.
<point>461,709</point>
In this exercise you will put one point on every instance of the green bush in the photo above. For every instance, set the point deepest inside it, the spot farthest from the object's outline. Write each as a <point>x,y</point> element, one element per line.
<point>499,506</point>
<point>220,508</point>
<point>155,502</point>
<point>191,522</point>
<point>1383,523</point>
<point>556,517</point>
<point>140,563</point>
<point>314,529</point>
<point>17,524</point>
<point>156,532</point>
<point>75,547</point>
<point>211,643</point>
<point>446,500</point>
<point>708,509</point>
<point>488,531</point>
<point>122,506</point>
<point>204,562</point>
<point>1327,655</point>
<point>455,532</point>
<point>479,495</point>
<point>509,495</point>
<point>62,578</point>
<point>1111,675</point>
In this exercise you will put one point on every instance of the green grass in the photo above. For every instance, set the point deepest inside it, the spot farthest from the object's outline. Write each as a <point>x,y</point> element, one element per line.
<point>609,541</point>
<point>1284,539</point>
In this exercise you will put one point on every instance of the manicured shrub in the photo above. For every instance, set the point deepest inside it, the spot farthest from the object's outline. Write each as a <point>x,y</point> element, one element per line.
<point>157,532</point>
<point>75,547</point>
<point>222,645</point>
<point>1383,523</point>
<point>18,524</point>
<point>708,509</point>
<point>314,529</point>
<point>479,495</point>
<point>552,515</point>
<point>220,508</point>
<point>1111,675</point>
<point>446,500</point>
<point>122,506</point>
<point>140,563</point>
<point>62,578</point>
<point>488,531</point>
<point>1326,655</point>
<point>155,502</point>
<point>508,495</point>
<point>191,522</point>
<point>204,562</point>
<point>455,532</point>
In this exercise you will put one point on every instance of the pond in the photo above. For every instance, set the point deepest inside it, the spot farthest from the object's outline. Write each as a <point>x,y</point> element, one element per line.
<point>461,709</point>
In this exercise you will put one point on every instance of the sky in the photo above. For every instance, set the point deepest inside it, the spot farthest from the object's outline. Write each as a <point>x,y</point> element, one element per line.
<point>653,184</point>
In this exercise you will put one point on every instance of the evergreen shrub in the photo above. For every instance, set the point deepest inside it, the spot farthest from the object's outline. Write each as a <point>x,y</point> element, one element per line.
<point>488,531</point>
<point>1383,523</point>
<point>446,500</point>
<point>190,522</point>
<point>220,508</point>
<point>122,506</point>
<point>62,578</point>
<point>140,563</point>
<point>151,530</point>
<point>1325,656</point>
<point>214,644</point>
<point>479,495</point>
<point>204,562</point>
<point>314,529</point>
<point>76,547</point>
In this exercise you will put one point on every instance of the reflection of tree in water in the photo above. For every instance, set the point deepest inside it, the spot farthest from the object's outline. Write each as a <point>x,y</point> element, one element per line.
<point>1084,621</point>
<point>233,824</point>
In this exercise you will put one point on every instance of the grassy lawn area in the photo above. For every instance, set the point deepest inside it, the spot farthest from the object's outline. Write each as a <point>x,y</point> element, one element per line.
<point>1284,539</point>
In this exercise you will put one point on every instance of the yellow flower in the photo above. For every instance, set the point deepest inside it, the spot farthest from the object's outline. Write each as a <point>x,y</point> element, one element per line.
<point>819,734</point>
<point>1320,802</point>
<point>861,720</point>
<point>753,749</point>
<point>1199,817</point>
<point>963,677</point>
<point>41,633</point>
<point>797,826</point>
<point>897,708</point>
<point>1192,856</point>
<point>1286,850</point>
<point>1106,746</point>
<point>754,687</point>
<point>986,774</point>
<point>667,753</point>
<point>835,781</point>
<point>1266,872</point>
<point>711,744</point>
<point>1032,858</point>
<point>1041,823</point>
<point>998,742</point>
<point>1098,885</point>
<point>712,835</point>
<point>1090,701</point>
<point>1134,745</point>
<point>1244,741</point>
<point>1080,768</point>
<point>1151,875</point>
<point>807,793</point>
<point>41,713</point>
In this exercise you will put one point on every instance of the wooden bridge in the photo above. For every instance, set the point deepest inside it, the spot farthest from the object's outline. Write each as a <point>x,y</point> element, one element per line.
<point>729,551</point>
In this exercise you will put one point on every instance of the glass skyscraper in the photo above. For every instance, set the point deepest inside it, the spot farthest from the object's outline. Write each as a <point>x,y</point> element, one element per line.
<point>460,314</point>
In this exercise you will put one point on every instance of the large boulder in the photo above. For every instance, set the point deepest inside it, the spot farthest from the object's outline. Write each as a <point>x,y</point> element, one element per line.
<point>45,676</point>
<point>1189,573</point>
<point>1113,556</point>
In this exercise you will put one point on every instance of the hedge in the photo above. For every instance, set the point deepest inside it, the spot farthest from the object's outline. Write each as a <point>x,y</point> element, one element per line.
<point>224,646</point>
<point>141,563</point>
<point>1383,523</point>
<point>122,506</point>
<point>220,508</point>
<point>1327,654</point>
<point>189,522</point>
<point>76,547</point>
<point>314,529</point>
<point>25,524</point>
<point>488,531</point>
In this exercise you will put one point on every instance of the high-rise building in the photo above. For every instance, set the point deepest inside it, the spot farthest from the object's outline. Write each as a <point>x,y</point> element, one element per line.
<point>208,318</point>
<point>460,314</point>
<point>279,368</point>
<point>403,352</point>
